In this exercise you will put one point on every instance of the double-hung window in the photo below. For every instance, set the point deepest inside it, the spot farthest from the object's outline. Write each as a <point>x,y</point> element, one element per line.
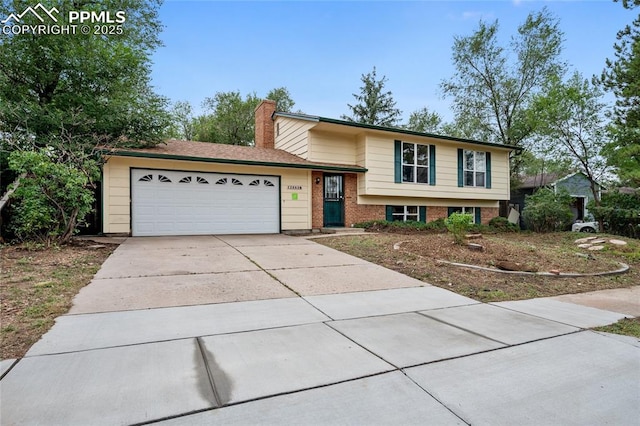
<point>475,168</point>
<point>415,162</point>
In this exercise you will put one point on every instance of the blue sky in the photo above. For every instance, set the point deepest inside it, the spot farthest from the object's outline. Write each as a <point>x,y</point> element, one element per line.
<point>319,50</point>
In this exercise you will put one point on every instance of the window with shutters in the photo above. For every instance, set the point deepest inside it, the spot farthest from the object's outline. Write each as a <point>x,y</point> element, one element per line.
<point>405,213</point>
<point>415,163</point>
<point>475,168</point>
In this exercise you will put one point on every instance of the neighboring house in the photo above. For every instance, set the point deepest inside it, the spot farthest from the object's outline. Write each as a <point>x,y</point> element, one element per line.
<point>576,184</point>
<point>305,172</point>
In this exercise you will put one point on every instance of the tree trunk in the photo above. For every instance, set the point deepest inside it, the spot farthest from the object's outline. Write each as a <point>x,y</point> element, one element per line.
<point>596,200</point>
<point>70,227</point>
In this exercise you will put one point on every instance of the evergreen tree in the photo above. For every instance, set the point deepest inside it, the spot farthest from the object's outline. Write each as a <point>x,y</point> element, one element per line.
<point>374,106</point>
<point>622,77</point>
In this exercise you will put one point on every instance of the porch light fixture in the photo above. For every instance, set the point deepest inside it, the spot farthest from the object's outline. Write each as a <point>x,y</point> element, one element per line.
<point>317,181</point>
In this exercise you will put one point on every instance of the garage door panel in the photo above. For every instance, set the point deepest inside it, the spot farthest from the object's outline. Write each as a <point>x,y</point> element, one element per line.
<point>168,202</point>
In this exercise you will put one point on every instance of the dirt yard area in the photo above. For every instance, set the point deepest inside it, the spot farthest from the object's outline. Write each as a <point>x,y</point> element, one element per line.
<point>37,285</point>
<point>419,256</point>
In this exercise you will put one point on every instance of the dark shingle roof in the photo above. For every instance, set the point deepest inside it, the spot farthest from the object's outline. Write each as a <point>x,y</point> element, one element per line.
<point>539,180</point>
<point>222,153</point>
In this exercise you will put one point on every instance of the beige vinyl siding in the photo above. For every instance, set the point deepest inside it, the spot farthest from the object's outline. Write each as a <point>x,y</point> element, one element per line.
<point>379,180</point>
<point>332,148</point>
<point>435,202</point>
<point>361,160</point>
<point>295,214</point>
<point>292,136</point>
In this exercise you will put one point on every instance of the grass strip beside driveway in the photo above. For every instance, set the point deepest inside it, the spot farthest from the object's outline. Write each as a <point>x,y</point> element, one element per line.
<point>38,284</point>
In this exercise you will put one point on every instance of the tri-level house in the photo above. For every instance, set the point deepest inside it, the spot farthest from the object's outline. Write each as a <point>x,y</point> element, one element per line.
<point>304,173</point>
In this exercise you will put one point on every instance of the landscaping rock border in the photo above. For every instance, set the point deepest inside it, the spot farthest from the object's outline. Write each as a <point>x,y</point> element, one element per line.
<point>624,268</point>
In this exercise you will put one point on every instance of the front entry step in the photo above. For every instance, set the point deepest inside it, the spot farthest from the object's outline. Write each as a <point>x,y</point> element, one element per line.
<point>342,230</point>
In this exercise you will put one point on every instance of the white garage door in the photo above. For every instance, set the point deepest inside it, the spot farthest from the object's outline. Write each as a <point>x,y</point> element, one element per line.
<point>166,202</point>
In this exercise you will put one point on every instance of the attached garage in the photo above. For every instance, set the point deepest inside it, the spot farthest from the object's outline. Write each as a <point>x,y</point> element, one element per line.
<point>165,202</point>
<point>201,188</point>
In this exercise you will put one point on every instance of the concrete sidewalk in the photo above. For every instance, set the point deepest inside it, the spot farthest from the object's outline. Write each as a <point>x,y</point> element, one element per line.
<point>334,339</point>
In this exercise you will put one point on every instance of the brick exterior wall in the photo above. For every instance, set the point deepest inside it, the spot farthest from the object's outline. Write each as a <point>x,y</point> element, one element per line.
<point>488,213</point>
<point>264,128</point>
<point>434,213</point>
<point>317,206</point>
<point>354,212</point>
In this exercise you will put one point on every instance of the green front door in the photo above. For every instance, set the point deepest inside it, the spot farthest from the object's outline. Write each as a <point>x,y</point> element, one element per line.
<point>333,200</point>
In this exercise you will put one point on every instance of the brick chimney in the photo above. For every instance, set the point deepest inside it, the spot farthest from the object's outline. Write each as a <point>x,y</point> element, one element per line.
<point>264,136</point>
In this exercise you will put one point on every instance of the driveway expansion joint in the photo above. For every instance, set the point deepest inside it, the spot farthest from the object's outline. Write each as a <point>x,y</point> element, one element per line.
<point>402,370</point>
<point>203,354</point>
<point>462,328</point>
<point>264,270</point>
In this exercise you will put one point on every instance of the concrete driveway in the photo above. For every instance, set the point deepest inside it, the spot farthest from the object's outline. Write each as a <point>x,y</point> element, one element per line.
<point>309,335</point>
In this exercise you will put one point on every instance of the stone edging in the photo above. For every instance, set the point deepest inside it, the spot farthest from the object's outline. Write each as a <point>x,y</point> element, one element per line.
<point>623,269</point>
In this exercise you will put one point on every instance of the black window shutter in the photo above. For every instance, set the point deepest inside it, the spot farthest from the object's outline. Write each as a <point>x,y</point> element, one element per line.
<point>487,178</point>
<point>432,164</point>
<point>389,213</point>
<point>478,215</point>
<point>460,169</point>
<point>422,214</point>
<point>397,161</point>
<point>450,211</point>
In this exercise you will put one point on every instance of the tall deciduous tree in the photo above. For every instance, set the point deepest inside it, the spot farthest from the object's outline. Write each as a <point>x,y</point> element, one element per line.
<point>92,85</point>
<point>425,121</point>
<point>184,121</point>
<point>622,77</point>
<point>571,116</point>
<point>493,84</point>
<point>282,97</point>
<point>230,118</point>
<point>374,105</point>
<point>72,93</point>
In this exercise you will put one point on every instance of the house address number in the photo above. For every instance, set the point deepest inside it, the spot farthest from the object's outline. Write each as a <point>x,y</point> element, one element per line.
<point>295,187</point>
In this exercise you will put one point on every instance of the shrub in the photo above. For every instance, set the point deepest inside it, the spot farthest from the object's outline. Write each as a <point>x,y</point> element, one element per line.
<point>459,224</point>
<point>547,211</point>
<point>369,224</point>
<point>437,225</point>
<point>51,200</point>
<point>620,212</point>
<point>502,224</point>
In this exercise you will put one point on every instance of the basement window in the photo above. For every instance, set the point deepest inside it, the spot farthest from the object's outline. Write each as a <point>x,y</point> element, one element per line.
<point>405,213</point>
